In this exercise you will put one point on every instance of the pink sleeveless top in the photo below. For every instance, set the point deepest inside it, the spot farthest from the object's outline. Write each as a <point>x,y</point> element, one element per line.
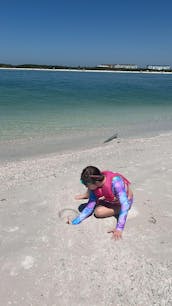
<point>106,190</point>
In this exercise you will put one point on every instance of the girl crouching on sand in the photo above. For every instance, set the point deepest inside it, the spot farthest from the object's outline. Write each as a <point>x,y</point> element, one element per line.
<point>109,195</point>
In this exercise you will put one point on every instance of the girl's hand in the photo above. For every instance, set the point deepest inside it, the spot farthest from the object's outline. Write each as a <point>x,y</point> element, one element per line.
<point>68,221</point>
<point>79,197</point>
<point>82,196</point>
<point>116,234</point>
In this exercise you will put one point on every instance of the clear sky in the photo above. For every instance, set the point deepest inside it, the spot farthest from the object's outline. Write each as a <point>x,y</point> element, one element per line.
<point>86,32</point>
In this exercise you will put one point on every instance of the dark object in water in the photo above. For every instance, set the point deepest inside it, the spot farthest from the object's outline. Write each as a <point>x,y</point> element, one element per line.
<point>114,136</point>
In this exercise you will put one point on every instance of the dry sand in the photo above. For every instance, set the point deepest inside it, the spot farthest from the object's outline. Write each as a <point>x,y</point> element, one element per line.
<point>44,261</point>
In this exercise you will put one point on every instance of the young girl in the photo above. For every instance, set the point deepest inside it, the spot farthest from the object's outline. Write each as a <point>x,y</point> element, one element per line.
<point>109,195</point>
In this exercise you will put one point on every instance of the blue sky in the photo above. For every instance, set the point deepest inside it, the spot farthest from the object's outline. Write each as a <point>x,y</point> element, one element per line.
<point>76,32</point>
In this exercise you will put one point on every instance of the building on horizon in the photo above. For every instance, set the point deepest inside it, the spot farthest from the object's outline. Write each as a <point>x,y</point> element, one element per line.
<point>159,67</point>
<point>125,66</point>
<point>119,66</point>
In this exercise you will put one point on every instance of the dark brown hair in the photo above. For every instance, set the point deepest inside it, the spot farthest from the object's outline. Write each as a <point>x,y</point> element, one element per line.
<point>90,175</point>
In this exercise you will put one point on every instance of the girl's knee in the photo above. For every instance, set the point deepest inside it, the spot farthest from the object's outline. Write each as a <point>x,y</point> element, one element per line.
<point>98,212</point>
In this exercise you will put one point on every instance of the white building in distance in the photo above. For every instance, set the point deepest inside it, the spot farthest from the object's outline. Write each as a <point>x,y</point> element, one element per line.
<point>119,66</point>
<point>158,67</point>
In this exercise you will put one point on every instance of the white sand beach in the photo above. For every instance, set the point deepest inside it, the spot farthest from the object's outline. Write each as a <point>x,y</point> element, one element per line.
<point>46,262</point>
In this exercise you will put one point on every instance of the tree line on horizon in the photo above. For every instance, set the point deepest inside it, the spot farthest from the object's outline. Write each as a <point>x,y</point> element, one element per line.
<point>56,67</point>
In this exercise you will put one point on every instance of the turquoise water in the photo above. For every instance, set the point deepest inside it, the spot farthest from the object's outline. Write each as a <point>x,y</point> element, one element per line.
<point>48,104</point>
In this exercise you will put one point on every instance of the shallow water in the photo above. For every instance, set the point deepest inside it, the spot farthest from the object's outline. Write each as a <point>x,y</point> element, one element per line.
<point>49,111</point>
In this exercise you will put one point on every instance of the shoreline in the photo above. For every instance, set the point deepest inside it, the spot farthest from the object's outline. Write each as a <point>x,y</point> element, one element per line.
<point>23,149</point>
<point>119,145</point>
<point>85,70</point>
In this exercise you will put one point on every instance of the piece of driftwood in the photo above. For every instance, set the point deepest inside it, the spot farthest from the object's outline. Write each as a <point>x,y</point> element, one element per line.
<point>114,136</point>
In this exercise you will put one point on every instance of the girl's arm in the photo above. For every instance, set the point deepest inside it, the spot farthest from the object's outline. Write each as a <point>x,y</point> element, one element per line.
<point>118,188</point>
<point>87,211</point>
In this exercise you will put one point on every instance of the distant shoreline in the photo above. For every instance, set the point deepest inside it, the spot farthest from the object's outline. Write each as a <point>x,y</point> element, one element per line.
<point>86,70</point>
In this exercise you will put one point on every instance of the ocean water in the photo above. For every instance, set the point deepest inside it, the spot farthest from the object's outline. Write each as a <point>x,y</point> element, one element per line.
<point>54,110</point>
